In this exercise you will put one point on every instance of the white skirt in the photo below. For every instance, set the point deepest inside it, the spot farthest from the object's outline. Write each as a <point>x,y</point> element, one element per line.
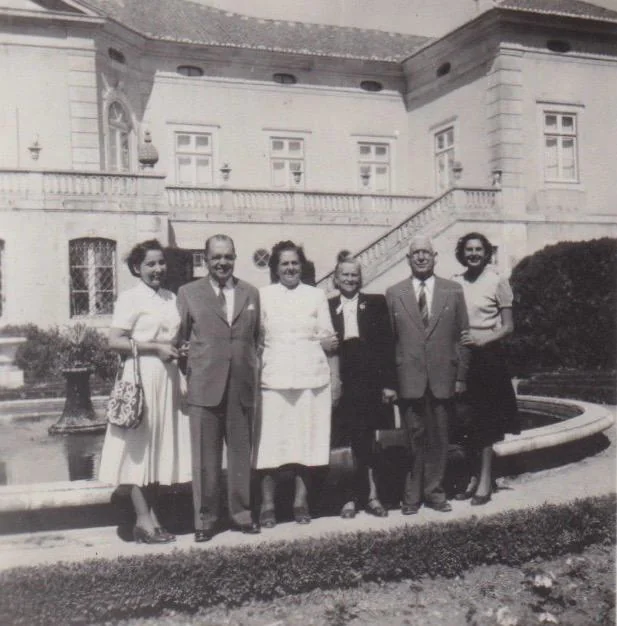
<point>293,427</point>
<point>159,449</point>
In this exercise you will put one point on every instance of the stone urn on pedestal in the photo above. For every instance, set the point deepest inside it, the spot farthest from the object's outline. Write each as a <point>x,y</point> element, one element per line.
<point>78,415</point>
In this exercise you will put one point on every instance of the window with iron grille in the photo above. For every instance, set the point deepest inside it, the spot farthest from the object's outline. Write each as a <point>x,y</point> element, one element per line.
<point>92,264</point>
<point>560,157</point>
<point>374,166</point>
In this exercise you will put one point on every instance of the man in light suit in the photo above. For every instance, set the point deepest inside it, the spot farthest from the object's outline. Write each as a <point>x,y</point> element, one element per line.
<point>428,315</point>
<point>220,321</point>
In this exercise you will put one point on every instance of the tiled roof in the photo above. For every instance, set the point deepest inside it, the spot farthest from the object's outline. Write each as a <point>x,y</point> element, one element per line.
<point>569,8</point>
<point>188,22</point>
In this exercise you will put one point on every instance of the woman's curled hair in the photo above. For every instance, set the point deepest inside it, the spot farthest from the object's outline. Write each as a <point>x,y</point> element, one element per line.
<point>138,253</point>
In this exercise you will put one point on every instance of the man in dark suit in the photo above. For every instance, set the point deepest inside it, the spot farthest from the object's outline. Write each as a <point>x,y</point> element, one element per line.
<point>428,315</point>
<point>220,322</point>
<point>366,367</point>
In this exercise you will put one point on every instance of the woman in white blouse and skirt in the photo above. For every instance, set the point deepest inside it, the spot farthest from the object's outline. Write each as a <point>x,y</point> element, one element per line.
<point>158,451</point>
<point>294,428</point>
<point>494,412</point>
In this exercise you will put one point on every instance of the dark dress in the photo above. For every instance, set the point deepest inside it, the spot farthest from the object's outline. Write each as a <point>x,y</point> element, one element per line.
<point>492,402</point>
<point>366,368</point>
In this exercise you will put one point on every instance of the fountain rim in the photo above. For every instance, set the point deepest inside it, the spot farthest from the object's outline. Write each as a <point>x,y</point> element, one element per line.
<point>593,418</point>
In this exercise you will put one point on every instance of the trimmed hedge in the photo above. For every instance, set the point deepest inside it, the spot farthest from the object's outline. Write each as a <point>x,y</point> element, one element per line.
<point>46,352</point>
<point>98,590</point>
<point>565,307</point>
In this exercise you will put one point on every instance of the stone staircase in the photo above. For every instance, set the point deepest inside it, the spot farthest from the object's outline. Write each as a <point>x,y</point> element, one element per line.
<point>431,220</point>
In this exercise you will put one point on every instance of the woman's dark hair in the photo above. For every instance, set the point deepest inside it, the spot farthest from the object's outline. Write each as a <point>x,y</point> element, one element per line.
<point>462,242</point>
<point>275,257</point>
<point>137,255</point>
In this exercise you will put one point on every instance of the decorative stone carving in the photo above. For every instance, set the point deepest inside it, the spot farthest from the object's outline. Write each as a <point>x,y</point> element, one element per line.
<point>147,154</point>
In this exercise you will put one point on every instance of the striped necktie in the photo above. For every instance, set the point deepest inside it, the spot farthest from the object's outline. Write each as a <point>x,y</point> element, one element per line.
<point>422,304</point>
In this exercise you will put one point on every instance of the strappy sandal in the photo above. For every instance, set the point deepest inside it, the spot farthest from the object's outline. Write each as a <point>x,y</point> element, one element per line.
<point>374,507</point>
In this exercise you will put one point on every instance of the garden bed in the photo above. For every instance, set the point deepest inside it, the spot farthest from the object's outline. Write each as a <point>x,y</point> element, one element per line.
<point>576,590</point>
<point>97,590</point>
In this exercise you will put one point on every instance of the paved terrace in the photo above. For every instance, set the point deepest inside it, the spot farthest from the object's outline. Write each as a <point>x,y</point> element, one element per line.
<point>594,475</point>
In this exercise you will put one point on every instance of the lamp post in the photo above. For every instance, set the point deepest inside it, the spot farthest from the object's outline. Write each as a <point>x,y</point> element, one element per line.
<point>365,177</point>
<point>297,174</point>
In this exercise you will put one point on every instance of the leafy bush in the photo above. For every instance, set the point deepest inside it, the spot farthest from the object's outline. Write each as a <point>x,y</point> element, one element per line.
<point>46,352</point>
<point>565,307</point>
<point>98,590</point>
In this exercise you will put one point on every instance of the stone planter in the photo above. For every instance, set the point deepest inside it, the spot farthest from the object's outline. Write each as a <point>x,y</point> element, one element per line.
<point>78,415</point>
<point>11,376</point>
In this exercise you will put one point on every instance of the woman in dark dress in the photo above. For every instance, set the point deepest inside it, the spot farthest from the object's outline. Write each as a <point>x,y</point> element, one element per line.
<point>491,396</point>
<point>367,375</point>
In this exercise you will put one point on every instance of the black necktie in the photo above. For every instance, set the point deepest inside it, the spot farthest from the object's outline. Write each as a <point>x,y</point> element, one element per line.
<point>422,304</point>
<point>222,302</point>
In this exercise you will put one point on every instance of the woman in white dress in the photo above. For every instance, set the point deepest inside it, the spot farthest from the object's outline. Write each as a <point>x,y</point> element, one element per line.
<point>294,429</point>
<point>157,452</point>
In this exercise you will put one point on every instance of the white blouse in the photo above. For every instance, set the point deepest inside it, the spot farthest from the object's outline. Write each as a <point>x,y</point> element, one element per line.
<point>293,321</point>
<point>485,297</point>
<point>150,315</point>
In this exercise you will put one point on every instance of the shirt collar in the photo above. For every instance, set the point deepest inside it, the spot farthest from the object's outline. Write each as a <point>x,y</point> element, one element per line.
<point>146,291</point>
<point>228,285</point>
<point>428,283</point>
<point>349,301</point>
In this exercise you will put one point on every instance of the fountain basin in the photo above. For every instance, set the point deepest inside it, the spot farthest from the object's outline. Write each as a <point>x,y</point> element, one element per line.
<point>572,420</point>
<point>562,421</point>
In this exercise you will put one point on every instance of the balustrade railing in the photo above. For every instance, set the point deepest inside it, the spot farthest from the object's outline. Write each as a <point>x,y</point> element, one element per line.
<point>429,220</point>
<point>49,187</point>
<point>89,184</point>
<point>268,205</point>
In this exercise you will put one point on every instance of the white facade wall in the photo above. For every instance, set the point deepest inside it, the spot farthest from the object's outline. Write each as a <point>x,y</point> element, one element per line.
<point>243,115</point>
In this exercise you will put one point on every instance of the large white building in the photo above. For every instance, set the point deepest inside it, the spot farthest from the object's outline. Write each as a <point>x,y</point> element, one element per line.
<point>334,137</point>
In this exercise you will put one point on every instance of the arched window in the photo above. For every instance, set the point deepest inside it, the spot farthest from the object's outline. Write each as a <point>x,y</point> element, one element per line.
<point>92,264</point>
<point>119,138</point>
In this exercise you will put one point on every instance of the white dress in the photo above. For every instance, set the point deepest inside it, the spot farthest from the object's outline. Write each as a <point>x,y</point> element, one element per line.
<point>294,426</point>
<point>159,449</point>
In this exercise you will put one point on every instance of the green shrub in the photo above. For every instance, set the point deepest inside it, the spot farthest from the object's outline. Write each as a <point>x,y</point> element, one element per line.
<point>46,352</point>
<point>565,307</point>
<point>97,590</point>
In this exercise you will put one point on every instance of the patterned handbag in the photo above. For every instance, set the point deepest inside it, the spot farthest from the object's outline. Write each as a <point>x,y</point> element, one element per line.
<point>126,402</point>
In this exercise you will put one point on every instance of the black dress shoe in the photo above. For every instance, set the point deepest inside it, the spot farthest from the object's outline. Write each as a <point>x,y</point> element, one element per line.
<point>204,535</point>
<point>410,509</point>
<point>252,528</point>
<point>442,507</point>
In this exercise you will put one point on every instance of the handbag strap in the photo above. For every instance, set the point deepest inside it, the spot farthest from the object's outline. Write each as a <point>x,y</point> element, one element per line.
<point>136,369</point>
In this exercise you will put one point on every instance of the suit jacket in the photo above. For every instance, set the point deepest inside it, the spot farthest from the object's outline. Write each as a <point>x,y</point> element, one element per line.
<point>429,356</point>
<point>219,353</point>
<point>375,334</point>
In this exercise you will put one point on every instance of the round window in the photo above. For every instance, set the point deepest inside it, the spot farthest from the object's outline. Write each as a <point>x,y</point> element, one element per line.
<point>261,258</point>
